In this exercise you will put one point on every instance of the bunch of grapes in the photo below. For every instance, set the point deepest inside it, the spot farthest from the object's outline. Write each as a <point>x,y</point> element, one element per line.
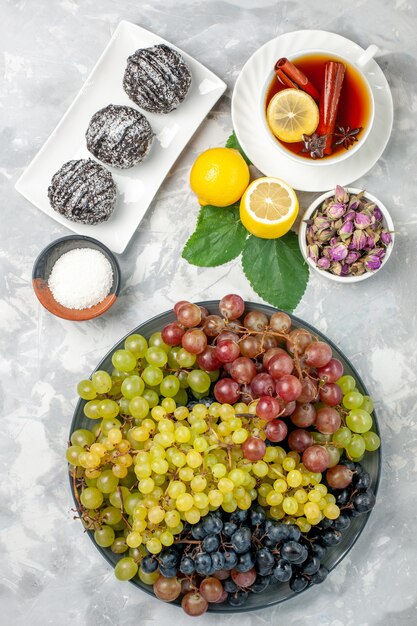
<point>278,435</point>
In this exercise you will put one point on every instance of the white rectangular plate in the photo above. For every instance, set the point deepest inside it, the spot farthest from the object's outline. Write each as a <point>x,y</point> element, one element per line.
<point>137,185</point>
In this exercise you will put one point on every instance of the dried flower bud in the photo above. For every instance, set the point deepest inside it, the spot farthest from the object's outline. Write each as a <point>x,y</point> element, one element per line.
<point>354,203</point>
<point>386,237</point>
<point>324,235</point>
<point>341,195</point>
<point>321,223</point>
<point>358,268</point>
<point>323,263</point>
<point>336,210</point>
<point>326,252</point>
<point>380,252</point>
<point>362,220</point>
<point>346,230</point>
<point>339,252</point>
<point>336,268</point>
<point>372,262</point>
<point>358,240</point>
<point>377,213</point>
<point>350,216</point>
<point>313,252</point>
<point>345,270</point>
<point>352,257</point>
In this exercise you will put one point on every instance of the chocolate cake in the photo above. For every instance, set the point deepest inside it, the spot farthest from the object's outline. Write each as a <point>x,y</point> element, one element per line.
<point>83,191</point>
<point>119,136</point>
<point>157,79</point>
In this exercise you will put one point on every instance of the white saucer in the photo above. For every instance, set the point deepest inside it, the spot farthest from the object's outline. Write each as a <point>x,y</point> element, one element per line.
<point>252,132</point>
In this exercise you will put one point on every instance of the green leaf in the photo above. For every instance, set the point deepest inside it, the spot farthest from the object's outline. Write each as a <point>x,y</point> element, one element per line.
<point>218,238</point>
<point>276,269</point>
<point>232,142</point>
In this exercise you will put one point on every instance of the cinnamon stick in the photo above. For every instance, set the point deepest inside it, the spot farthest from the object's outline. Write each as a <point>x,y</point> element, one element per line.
<point>283,78</point>
<point>284,66</point>
<point>334,74</point>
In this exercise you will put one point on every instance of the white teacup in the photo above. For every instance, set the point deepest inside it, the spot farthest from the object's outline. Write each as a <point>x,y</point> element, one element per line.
<point>359,64</point>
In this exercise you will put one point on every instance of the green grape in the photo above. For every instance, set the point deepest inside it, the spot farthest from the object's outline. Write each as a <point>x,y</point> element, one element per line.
<point>126,568</point>
<point>181,398</point>
<point>356,447</point>
<point>169,387</point>
<point>183,378</point>
<point>82,437</point>
<point>172,357</point>
<point>156,341</point>
<point>151,397</point>
<point>107,482</point>
<point>320,437</point>
<point>139,407</point>
<point>372,441</point>
<point>342,436</point>
<point>91,498</point>
<point>367,404</point>
<point>115,388</point>
<point>86,390</point>
<point>214,375</point>
<point>111,515</point>
<point>108,409</point>
<point>131,502</point>
<point>108,424</point>
<point>132,386</point>
<point>124,360</point>
<point>116,497</point>
<point>91,482</point>
<point>199,381</point>
<point>118,374</point>
<point>359,421</point>
<point>102,381</point>
<point>92,409</point>
<point>152,376</point>
<point>346,383</point>
<point>72,454</point>
<point>334,455</point>
<point>119,545</point>
<point>124,406</point>
<point>352,400</point>
<point>185,359</point>
<point>156,356</point>
<point>104,537</point>
<point>137,345</point>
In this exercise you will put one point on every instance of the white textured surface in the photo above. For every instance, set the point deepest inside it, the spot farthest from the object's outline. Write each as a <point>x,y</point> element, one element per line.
<point>50,573</point>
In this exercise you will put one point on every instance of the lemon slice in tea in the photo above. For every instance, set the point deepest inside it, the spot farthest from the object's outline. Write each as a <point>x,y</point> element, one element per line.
<point>291,114</point>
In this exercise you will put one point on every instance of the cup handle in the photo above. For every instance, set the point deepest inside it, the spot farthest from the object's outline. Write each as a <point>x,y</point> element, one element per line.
<point>366,56</point>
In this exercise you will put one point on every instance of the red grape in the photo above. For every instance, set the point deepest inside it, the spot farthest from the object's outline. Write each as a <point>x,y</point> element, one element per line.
<point>228,335</point>
<point>262,385</point>
<point>253,448</point>
<point>243,370</point>
<point>250,346</point>
<point>280,322</point>
<point>255,320</point>
<point>288,387</point>
<point>244,579</point>
<point>331,394</point>
<point>316,459</point>
<point>276,430</point>
<point>231,306</point>
<point>268,408</point>
<point>172,334</point>
<point>309,391</point>
<point>226,390</point>
<point>211,589</point>
<point>213,325</point>
<point>208,361</point>
<point>300,439</point>
<point>269,354</point>
<point>204,313</point>
<point>227,351</point>
<point>223,597</point>
<point>194,341</point>
<point>317,354</point>
<point>280,364</point>
<point>339,477</point>
<point>304,415</point>
<point>167,589</point>
<point>299,339</point>
<point>269,341</point>
<point>331,372</point>
<point>221,574</point>
<point>179,304</point>
<point>194,604</point>
<point>189,315</point>
<point>327,420</point>
<point>289,409</point>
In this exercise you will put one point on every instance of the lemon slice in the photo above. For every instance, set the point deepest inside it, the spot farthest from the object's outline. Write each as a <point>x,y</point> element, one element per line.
<point>291,114</point>
<point>268,208</point>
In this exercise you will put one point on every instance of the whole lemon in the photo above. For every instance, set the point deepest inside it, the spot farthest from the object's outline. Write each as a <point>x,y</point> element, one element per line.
<point>219,176</point>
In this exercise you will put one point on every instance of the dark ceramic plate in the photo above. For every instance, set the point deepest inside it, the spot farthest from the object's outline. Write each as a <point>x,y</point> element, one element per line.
<point>42,269</point>
<point>371,462</point>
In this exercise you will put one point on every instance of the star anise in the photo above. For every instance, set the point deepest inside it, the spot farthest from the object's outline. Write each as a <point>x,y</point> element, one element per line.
<point>346,136</point>
<point>314,144</point>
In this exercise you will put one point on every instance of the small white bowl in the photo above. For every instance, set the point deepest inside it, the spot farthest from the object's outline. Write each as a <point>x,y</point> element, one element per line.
<point>387,221</point>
